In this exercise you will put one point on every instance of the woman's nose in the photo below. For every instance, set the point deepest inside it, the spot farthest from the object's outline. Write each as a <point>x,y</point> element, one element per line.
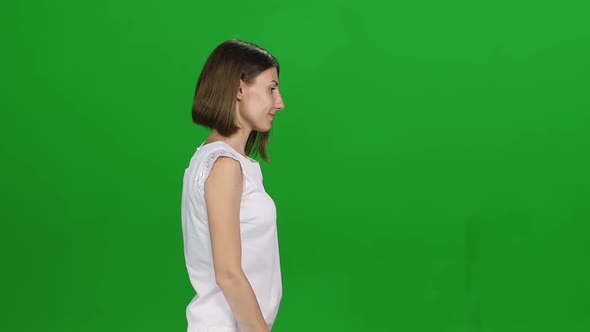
<point>279,104</point>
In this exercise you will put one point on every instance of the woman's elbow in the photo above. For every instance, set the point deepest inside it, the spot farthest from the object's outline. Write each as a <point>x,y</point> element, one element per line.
<point>228,277</point>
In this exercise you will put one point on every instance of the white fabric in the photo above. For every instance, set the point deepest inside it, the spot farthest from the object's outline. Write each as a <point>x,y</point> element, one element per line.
<point>209,310</point>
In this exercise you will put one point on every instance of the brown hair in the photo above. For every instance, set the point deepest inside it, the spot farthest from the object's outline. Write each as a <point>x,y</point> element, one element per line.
<point>214,101</point>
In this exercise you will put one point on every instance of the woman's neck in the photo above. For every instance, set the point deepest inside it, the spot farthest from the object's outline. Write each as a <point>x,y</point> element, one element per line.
<point>237,140</point>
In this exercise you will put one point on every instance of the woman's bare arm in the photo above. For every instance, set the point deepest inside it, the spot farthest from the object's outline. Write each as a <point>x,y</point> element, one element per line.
<point>223,192</point>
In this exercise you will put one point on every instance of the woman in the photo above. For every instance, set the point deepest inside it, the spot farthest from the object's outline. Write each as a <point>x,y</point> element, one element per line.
<point>228,220</point>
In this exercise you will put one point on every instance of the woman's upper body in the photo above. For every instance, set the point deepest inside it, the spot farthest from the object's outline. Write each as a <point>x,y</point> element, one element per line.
<point>228,219</point>
<point>257,238</point>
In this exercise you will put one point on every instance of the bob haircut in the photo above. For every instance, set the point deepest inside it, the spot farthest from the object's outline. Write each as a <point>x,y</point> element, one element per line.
<point>214,104</point>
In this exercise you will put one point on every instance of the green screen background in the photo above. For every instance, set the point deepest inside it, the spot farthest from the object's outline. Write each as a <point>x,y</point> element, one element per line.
<point>431,169</point>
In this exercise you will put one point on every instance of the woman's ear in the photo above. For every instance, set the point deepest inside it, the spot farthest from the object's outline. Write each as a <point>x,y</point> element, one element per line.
<point>241,89</point>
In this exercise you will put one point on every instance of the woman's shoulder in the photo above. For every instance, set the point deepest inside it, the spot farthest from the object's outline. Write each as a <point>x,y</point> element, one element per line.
<point>215,149</point>
<point>211,151</point>
<point>206,155</point>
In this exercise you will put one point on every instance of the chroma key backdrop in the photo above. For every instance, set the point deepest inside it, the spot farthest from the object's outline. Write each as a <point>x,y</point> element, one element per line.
<point>431,169</point>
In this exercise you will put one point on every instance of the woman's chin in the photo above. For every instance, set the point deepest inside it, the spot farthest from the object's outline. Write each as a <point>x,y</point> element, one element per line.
<point>263,129</point>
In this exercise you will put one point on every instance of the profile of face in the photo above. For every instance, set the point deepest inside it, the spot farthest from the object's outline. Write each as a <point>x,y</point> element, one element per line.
<point>258,101</point>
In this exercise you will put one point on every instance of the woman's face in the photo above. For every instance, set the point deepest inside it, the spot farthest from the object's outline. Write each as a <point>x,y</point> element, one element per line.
<point>259,101</point>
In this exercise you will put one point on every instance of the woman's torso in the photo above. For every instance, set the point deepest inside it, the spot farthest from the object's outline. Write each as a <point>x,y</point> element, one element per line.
<point>209,310</point>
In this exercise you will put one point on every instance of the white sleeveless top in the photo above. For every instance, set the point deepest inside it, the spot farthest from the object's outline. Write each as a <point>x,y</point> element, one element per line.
<point>209,310</point>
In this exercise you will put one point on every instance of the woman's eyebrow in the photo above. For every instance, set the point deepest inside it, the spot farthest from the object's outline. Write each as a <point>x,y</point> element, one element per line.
<point>273,81</point>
